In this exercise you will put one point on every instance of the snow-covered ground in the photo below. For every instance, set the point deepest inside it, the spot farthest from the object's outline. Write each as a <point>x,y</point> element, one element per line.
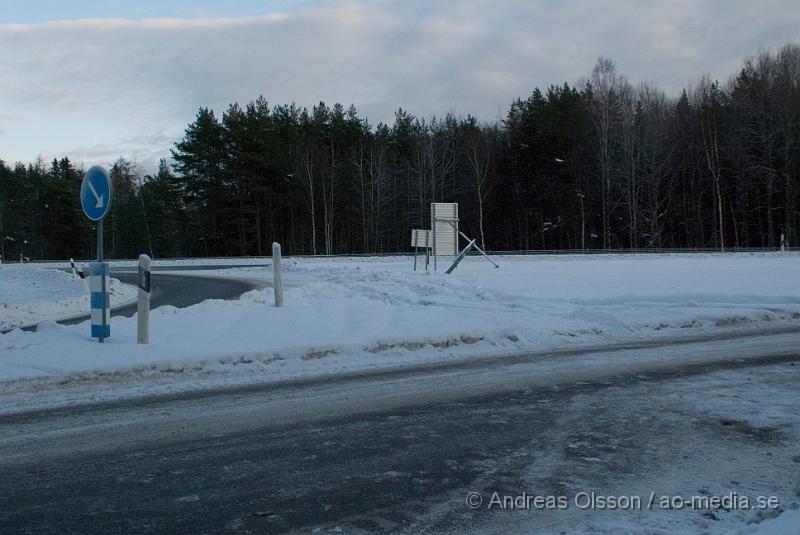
<point>730,434</point>
<point>356,313</point>
<point>731,430</point>
<point>30,293</point>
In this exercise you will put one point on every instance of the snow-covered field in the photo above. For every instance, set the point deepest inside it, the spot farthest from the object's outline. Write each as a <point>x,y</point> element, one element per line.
<point>351,314</point>
<point>357,313</point>
<point>30,293</point>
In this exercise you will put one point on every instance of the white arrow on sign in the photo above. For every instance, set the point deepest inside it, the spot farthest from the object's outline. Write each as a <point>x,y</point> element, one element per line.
<point>98,198</point>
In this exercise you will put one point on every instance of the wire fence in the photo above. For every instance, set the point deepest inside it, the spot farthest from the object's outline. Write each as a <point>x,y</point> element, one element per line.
<point>526,252</point>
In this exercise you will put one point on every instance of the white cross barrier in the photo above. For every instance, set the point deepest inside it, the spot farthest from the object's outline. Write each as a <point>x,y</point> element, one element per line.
<point>100,300</point>
<point>445,234</point>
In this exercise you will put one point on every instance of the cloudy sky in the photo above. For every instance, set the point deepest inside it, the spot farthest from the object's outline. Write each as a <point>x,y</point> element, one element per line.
<point>99,79</point>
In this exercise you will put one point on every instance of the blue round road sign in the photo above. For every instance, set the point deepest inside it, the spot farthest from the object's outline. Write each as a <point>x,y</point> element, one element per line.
<point>96,193</point>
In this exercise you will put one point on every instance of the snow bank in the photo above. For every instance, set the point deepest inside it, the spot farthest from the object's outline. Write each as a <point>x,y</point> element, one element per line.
<point>347,313</point>
<point>30,293</point>
<point>787,523</point>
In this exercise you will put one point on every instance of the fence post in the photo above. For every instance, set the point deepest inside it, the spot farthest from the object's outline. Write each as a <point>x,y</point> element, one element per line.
<point>143,309</point>
<point>276,273</point>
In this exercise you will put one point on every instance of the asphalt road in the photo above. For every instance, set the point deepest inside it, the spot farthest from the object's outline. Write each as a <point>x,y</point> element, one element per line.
<point>379,452</point>
<point>190,267</point>
<point>177,290</point>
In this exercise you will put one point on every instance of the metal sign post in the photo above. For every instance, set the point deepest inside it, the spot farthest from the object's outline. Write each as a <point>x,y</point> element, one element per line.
<point>421,238</point>
<point>96,192</point>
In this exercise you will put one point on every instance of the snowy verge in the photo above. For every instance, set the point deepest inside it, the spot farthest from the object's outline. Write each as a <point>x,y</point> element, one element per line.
<point>30,293</point>
<point>786,523</point>
<point>345,314</point>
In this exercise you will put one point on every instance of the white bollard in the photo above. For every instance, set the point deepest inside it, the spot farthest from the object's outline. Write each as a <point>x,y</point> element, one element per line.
<point>276,273</point>
<point>143,324</point>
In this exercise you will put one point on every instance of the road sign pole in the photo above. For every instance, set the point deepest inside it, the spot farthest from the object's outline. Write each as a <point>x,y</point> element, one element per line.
<point>96,196</point>
<point>103,303</point>
<point>100,241</point>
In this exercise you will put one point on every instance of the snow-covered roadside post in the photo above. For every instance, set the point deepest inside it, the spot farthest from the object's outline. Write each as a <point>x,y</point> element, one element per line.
<point>143,324</point>
<point>276,273</point>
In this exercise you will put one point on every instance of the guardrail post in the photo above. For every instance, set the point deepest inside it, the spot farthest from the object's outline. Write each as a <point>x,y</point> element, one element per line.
<point>143,309</point>
<point>276,273</point>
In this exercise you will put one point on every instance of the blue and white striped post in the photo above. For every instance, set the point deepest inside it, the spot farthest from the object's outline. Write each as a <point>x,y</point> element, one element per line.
<point>100,301</point>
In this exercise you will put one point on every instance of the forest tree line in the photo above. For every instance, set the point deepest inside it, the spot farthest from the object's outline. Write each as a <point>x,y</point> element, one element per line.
<point>605,164</point>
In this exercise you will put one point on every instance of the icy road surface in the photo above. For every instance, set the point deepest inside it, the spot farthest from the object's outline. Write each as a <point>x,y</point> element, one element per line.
<point>400,451</point>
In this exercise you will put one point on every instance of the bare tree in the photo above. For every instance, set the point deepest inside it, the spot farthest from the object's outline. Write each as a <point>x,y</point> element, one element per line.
<point>630,142</point>
<point>708,100</point>
<point>478,145</point>
<point>656,157</point>
<point>788,110</point>
<point>307,182</point>
<point>379,180</point>
<point>604,106</point>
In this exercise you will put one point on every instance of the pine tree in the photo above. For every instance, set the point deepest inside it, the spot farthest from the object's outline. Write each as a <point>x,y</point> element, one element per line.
<point>199,161</point>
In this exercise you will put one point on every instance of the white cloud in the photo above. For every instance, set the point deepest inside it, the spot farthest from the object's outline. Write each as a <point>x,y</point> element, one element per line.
<point>113,79</point>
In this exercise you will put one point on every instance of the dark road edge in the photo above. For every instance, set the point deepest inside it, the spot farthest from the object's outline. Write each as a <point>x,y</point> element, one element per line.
<point>181,291</point>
